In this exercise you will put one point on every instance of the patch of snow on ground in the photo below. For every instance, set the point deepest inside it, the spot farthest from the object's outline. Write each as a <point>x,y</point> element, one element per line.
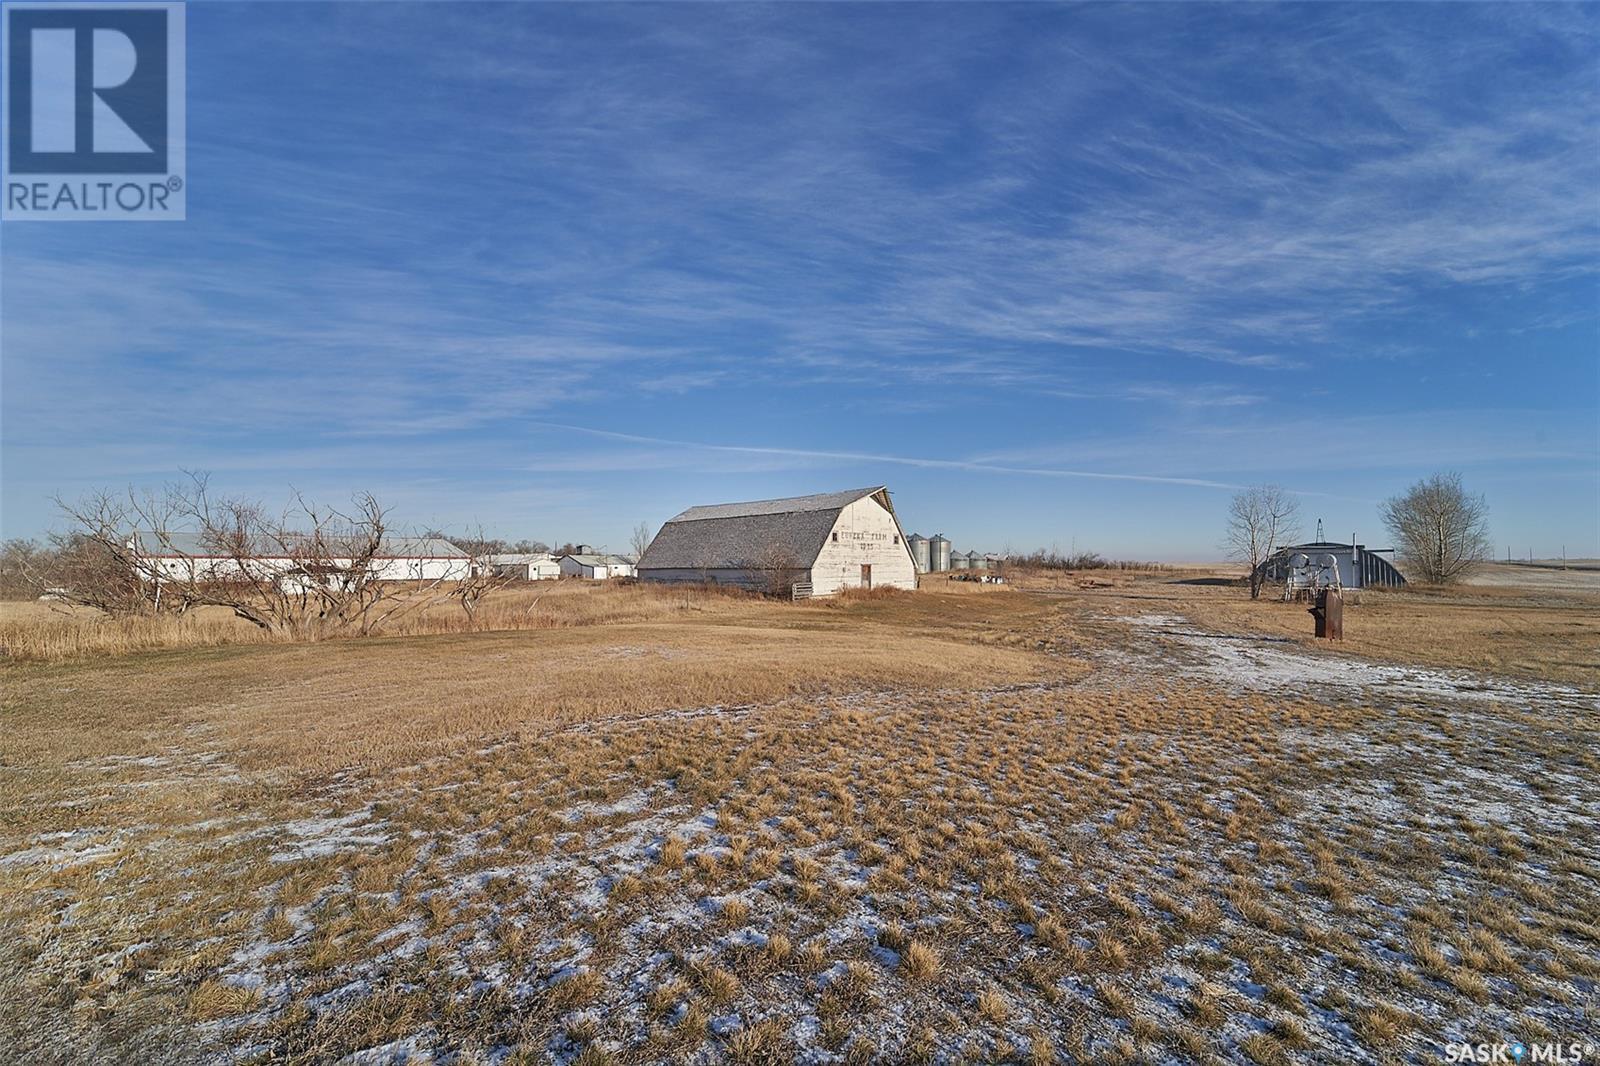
<point>63,849</point>
<point>1271,664</point>
<point>316,837</point>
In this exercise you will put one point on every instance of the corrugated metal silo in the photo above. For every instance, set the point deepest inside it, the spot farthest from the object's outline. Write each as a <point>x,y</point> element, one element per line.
<point>960,561</point>
<point>919,551</point>
<point>977,562</point>
<point>938,553</point>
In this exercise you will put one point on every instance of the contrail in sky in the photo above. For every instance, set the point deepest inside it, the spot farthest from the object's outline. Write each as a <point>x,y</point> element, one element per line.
<point>902,460</point>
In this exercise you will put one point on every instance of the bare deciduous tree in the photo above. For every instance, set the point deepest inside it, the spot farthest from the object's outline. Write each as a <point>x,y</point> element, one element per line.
<point>97,563</point>
<point>640,540</point>
<point>21,560</point>
<point>1442,530</point>
<point>308,572</point>
<point>1258,519</point>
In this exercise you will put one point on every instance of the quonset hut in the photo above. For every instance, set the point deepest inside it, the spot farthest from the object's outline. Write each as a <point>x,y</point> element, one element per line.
<point>811,544</point>
<point>1359,566</point>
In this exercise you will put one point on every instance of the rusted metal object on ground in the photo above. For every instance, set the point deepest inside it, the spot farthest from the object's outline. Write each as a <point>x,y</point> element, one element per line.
<point>1328,611</point>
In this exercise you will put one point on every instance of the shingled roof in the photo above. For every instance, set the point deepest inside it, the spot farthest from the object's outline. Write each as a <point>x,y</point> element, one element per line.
<point>760,534</point>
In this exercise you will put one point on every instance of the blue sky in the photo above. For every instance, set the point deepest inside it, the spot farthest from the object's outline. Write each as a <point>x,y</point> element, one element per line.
<point>1056,275</point>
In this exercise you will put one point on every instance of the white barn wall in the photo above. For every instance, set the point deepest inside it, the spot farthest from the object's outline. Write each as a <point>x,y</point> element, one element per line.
<point>422,569</point>
<point>865,533</point>
<point>181,569</point>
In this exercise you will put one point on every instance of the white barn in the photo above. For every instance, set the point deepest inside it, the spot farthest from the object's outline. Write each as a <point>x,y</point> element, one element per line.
<point>829,542</point>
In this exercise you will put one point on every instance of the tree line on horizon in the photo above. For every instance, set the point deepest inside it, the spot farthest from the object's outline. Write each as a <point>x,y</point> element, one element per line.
<point>1439,528</point>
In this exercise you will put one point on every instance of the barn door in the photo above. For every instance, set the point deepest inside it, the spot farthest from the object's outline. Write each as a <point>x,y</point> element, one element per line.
<point>866,575</point>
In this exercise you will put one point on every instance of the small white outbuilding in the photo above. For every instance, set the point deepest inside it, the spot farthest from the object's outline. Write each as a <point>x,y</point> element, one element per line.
<point>595,567</point>
<point>535,566</point>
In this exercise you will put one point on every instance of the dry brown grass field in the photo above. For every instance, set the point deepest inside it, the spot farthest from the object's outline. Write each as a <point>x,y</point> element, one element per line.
<point>1146,821</point>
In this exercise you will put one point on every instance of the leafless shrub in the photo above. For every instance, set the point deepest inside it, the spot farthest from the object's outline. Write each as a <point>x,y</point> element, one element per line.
<point>21,560</point>
<point>779,568</point>
<point>480,578</point>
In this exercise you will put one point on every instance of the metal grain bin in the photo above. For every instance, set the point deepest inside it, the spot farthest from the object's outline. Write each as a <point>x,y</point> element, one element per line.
<point>919,551</point>
<point>938,553</point>
<point>960,561</point>
<point>977,562</point>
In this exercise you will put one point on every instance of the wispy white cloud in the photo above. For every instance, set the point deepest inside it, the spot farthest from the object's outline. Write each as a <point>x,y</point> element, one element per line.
<point>1302,444</point>
<point>1127,232</point>
<point>862,458</point>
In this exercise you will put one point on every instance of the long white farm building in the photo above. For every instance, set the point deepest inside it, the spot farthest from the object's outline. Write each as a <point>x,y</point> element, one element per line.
<point>184,557</point>
<point>831,542</point>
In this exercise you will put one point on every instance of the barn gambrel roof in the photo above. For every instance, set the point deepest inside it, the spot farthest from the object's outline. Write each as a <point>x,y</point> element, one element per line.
<point>757,535</point>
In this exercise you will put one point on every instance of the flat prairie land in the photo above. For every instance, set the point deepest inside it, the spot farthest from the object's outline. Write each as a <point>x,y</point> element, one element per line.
<point>1572,575</point>
<point>1536,632</point>
<point>1145,820</point>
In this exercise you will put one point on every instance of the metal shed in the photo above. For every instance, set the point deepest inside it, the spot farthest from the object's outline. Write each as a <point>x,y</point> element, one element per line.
<point>1359,566</point>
